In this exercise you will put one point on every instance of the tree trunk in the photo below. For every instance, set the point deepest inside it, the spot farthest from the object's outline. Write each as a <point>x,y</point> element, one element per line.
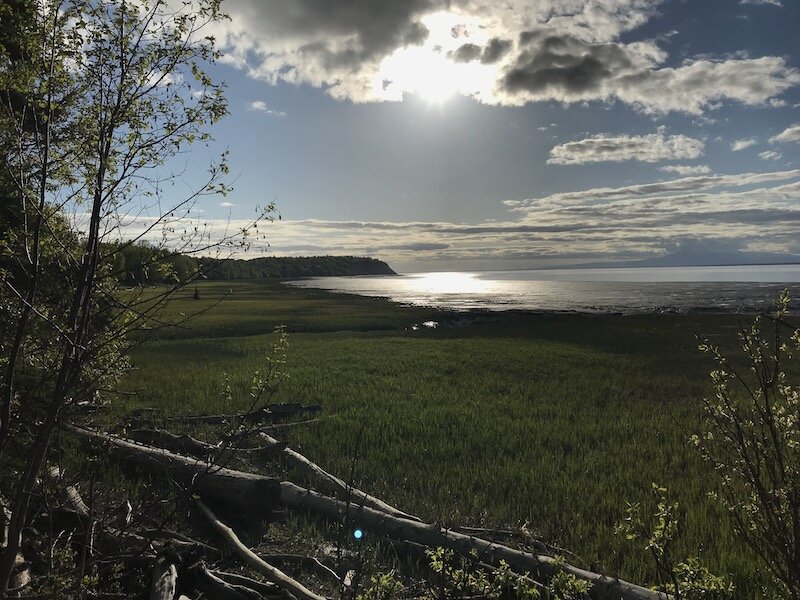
<point>246,492</point>
<point>539,566</point>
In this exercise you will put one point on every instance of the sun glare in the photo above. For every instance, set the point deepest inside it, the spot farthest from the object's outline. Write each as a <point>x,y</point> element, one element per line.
<point>428,71</point>
<point>451,283</point>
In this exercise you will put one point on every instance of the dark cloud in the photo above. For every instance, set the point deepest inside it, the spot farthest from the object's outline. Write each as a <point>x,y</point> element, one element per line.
<point>418,246</point>
<point>495,50</point>
<point>563,62</point>
<point>465,53</point>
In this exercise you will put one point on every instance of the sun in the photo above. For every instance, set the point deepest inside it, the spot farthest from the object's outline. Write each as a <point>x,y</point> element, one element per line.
<point>429,71</point>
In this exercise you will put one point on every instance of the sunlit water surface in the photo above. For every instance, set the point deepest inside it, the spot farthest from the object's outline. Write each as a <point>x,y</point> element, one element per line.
<point>627,290</point>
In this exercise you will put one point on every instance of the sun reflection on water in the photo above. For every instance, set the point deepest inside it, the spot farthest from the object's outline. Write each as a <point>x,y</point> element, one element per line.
<point>451,282</point>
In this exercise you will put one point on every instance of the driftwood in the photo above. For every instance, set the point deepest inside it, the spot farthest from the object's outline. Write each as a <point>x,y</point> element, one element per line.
<point>186,444</point>
<point>358,513</point>
<point>246,492</point>
<point>211,586</point>
<point>164,580</point>
<point>330,483</point>
<point>268,590</point>
<point>182,444</point>
<point>272,573</point>
<point>539,566</point>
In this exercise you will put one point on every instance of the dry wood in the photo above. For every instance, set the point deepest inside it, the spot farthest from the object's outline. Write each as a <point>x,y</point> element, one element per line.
<point>164,580</point>
<point>180,540</point>
<point>272,573</point>
<point>539,566</point>
<point>183,444</point>
<point>268,590</point>
<point>211,586</point>
<point>333,484</point>
<point>308,562</point>
<point>246,492</point>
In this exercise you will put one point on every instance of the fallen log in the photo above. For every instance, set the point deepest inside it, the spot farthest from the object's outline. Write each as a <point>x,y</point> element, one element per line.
<point>330,483</point>
<point>186,444</point>
<point>246,492</point>
<point>299,498</point>
<point>182,444</point>
<point>272,573</point>
<point>538,566</point>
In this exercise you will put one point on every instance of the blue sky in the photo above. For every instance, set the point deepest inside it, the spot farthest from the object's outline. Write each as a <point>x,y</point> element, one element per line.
<point>473,134</point>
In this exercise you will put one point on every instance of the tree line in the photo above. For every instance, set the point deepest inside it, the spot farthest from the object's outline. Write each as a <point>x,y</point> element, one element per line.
<point>146,264</point>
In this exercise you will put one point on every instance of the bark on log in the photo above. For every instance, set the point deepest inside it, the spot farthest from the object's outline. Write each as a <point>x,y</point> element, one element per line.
<point>182,444</point>
<point>539,566</point>
<point>246,492</point>
<point>272,573</point>
<point>164,580</point>
<point>330,483</point>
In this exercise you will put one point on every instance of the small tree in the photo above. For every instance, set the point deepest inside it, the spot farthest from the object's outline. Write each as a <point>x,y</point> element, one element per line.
<point>752,439</point>
<point>97,96</point>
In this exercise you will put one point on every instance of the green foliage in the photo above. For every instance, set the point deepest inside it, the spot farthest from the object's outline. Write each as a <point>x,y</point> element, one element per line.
<point>459,576</point>
<point>383,586</point>
<point>752,439</point>
<point>688,579</point>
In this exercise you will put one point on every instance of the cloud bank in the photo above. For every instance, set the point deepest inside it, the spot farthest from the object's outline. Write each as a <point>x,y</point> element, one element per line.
<point>499,53</point>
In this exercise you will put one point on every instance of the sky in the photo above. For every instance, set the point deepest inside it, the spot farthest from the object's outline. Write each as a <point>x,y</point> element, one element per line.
<point>513,134</point>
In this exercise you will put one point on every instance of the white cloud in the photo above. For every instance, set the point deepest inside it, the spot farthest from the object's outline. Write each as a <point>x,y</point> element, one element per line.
<point>227,204</point>
<point>762,2</point>
<point>770,155</point>
<point>686,170</point>
<point>654,147</point>
<point>752,211</point>
<point>742,144</point>
<point>790,134</point>
<point>505,53</point>
<point>261,106</point>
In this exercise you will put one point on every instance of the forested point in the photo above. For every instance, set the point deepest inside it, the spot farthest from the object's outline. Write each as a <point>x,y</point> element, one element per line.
<point>142,264</point>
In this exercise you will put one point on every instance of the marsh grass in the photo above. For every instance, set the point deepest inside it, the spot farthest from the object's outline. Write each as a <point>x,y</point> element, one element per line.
<point>551,420</point>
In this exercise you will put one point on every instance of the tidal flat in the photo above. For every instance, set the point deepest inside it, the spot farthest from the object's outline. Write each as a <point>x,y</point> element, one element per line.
<point>551,421</point>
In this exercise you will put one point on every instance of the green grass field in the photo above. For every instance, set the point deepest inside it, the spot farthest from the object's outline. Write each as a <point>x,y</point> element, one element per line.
<point>551,420</point>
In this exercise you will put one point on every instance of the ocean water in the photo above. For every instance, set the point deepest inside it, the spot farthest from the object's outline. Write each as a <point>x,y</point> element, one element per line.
<point>617,290</point>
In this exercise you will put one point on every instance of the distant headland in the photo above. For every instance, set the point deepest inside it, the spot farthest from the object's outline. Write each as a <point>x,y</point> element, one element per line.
<point>294,266</point>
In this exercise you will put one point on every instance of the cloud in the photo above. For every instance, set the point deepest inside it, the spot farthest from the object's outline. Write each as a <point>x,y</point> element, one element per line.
<point>762,2</point>
<point>790,134</point>
<point>261,106</point>
<point>685,170</point>
<point>745,212</point>
<point>654,147</point>
<point>738,145</point>
<point>770,155</point>
<point>227,204</point>
<point>466,53</point>
<point>503,53</point>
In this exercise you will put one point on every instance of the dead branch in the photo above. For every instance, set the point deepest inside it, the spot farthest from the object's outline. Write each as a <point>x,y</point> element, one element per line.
<point>272,573</point>
<point>333,484</point>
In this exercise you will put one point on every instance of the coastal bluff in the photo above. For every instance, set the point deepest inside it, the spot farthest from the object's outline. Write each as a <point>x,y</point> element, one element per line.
<point>295,266</point>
